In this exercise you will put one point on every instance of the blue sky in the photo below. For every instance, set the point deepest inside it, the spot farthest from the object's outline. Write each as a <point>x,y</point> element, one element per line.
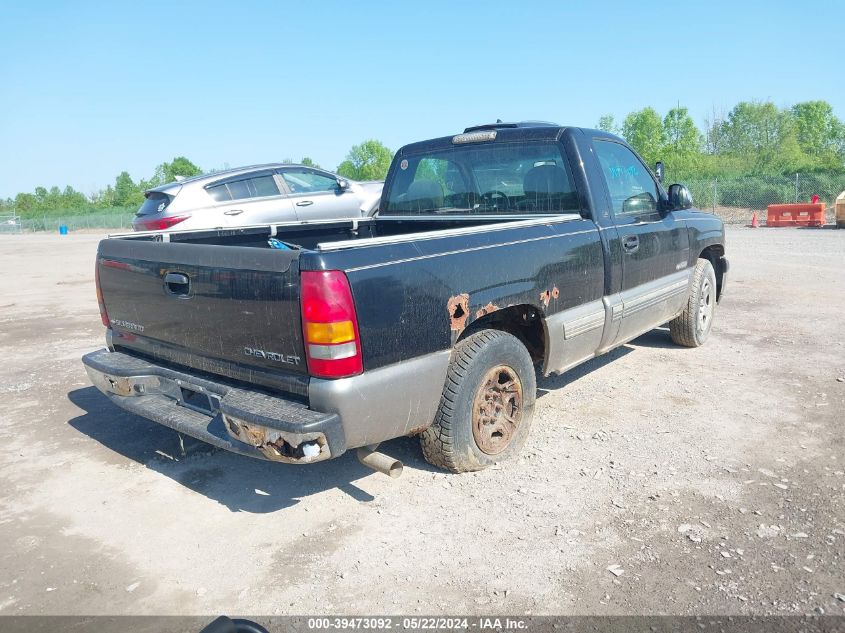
<point>90,89</point>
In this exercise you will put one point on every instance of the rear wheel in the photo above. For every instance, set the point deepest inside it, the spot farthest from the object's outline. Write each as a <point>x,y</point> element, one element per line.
<point>487,404</point>
<point>693,326</point>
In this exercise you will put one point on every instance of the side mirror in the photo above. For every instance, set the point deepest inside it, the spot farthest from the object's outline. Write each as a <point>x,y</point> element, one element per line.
<point>679,197</point>
<point>641,203</point>
<point>658,171</point>
<point>342,184</point>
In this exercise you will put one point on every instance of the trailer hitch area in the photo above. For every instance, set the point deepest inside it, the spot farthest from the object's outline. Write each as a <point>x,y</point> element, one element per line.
<point>124,385</point>
<point>379,462</point>
<point>279,446</point>
<point>119,385</point>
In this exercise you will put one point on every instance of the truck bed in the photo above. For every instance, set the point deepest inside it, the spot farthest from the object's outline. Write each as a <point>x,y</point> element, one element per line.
<point>322,235</point>
<point>238,315</point>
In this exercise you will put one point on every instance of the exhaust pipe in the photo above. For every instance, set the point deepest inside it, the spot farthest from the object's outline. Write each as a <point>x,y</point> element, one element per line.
<point>380,462</point>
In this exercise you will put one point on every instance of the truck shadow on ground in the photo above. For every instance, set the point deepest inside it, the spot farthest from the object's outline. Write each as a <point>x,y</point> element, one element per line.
<point>242,484</point>
<point>559,381</point>
<point>657,338</point>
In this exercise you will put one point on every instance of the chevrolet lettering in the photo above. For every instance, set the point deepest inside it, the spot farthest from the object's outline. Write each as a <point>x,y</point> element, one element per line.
<point>273,356</point>
<point>126,325</point>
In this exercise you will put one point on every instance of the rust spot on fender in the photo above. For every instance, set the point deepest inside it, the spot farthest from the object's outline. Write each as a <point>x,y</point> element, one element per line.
<point>545,297</point>
<point>458,309</point>
<point>486,310</point>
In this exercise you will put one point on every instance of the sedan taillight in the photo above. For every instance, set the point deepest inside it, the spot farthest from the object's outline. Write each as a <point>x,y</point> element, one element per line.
<point>159,224</point>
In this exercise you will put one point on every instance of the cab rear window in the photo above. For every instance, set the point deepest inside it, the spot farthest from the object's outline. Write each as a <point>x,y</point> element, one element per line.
<point>498,178</point>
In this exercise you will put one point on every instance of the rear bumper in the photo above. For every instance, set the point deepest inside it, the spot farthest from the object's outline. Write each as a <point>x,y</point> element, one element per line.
<point>363,410</point>
<point>246,422</point>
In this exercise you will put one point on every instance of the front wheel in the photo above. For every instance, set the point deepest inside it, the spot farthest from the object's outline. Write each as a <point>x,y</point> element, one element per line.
<point>487,404</point>
<point>692,327</point>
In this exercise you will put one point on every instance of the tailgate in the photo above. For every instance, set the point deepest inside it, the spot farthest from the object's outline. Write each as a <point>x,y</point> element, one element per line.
<point>227,310</point>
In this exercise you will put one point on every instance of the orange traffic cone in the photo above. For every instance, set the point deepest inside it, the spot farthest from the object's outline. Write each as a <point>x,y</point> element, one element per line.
<point>754,223</point>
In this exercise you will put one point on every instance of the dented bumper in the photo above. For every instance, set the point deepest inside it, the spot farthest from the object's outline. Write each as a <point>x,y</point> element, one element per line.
<point>242,421</point>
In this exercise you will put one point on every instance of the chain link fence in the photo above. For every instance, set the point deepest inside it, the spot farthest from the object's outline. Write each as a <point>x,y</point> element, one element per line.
<point>10,223</point>
<point>736,199</point>
<point>93,221</point>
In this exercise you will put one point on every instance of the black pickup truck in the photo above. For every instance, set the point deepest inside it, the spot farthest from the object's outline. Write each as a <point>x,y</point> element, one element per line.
<point>495,252</point>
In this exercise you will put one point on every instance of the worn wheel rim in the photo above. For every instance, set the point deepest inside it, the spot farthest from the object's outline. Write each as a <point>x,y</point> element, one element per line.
<point>497,410</point>
<point>705,306</point>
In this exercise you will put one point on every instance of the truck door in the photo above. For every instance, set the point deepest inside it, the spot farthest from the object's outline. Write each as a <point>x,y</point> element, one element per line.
<point>654,244</point>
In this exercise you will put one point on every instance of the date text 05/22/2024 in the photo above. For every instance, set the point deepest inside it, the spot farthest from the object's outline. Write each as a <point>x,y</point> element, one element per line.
<point>418,623</point>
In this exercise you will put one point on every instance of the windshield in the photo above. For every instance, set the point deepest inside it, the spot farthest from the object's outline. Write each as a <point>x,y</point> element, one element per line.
<point>500,178</point>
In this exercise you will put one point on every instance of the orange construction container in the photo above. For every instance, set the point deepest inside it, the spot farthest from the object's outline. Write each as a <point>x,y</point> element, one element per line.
<point>795,214</point>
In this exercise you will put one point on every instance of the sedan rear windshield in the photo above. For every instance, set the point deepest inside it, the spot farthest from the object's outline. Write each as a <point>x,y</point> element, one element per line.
<point>493,178</point>
<point>156,202</point>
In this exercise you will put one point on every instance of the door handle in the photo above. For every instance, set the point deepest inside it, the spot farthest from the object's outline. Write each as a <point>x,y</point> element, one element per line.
<point>177,284</point>
<point>305,203</point>
<point>631,243</point>
<point>233,212</point>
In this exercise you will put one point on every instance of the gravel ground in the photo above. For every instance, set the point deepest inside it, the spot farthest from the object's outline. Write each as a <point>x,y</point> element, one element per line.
<point>656,479</point>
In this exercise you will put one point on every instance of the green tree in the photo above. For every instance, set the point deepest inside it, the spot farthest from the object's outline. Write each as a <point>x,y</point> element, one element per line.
<point>72,199</point>
<point>308,162</point>
<point>104,198</point>
<point>126,192</point>
<point>680,133</point>
<point>368,161</point>
<point>644,131</point>
<point>54,199</point>
<point>818,131</point>
<point>167,172</point>
<point>40,197</point>
<point>763,134</point>
<point>25,203</point>
<point>607,123</point>
<point>714,134</point>
<point>839,143</point>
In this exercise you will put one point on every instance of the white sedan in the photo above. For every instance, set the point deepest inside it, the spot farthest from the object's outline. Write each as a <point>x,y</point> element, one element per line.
<point>261,194</point>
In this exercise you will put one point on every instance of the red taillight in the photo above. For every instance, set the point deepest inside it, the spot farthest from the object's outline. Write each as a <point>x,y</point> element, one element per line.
<point>329,325</point>
<point>159,224</point>
<point>104,316</point>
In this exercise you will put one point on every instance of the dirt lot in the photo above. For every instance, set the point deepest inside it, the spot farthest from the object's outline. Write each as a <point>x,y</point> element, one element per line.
<point>713,477</point>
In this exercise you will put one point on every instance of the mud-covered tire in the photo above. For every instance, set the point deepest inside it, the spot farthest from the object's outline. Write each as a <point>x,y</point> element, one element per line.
<point>692,327</point>
<point>478,402</point>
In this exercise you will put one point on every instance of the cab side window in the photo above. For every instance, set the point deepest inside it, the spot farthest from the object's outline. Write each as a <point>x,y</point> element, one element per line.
<point>632,189</point>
